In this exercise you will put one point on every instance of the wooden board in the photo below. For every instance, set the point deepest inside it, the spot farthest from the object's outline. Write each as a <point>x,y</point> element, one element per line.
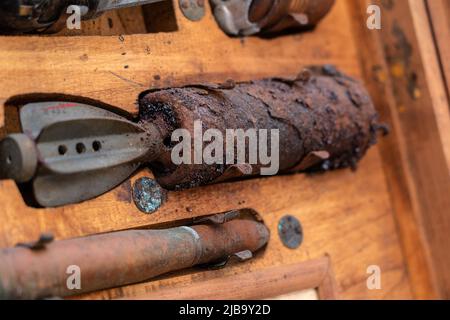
<point>402,70</point>
<point>286,281</point>
<point>351,216</point>
<point>439,12</point>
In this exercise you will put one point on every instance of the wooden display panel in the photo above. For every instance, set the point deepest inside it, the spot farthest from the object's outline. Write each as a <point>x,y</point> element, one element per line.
<point>371,216</point>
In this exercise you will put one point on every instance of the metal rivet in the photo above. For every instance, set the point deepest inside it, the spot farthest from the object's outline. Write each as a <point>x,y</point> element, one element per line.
<point>290,231</point>
<point>194,10</point>
<point>148,195</point>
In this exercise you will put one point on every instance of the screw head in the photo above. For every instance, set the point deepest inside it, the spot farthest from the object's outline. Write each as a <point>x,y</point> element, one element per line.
<point>290,231</point>
<point>148,195</point>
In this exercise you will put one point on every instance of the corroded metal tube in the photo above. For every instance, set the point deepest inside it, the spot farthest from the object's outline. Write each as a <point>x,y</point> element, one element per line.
<point>119,258</point>
<point>326,120</point>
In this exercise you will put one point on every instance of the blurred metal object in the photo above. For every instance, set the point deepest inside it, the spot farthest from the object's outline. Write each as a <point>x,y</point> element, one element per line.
<point>120,258</point>
<point>249,17</point>
<point>194,10</point>
<point>26,16</point>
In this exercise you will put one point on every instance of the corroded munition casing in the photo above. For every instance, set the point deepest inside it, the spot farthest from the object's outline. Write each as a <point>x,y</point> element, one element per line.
<point>119,258</point>
<point>325,120</point>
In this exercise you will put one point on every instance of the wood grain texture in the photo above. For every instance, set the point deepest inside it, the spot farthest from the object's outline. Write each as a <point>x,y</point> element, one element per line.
<point>345,214</point>
<point>394,155</point>
<point>260,284</point>
<point>439,12</point>
<point>416,105</point>
<point>434,75</point>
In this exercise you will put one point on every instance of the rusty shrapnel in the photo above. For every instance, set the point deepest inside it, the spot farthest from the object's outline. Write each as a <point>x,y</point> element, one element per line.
<point>120,258</point>
<point>268,17</point>
<point>326,120</point>
<point>69,152</point>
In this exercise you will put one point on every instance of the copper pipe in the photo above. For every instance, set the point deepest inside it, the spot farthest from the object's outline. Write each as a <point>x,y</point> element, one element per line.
<point>120,258</point>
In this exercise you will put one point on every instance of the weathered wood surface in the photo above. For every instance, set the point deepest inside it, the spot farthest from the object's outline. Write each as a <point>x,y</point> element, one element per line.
<point>417,154</point>
<point>347,215</point>
<point>266,283</point>
<point>393,150</point>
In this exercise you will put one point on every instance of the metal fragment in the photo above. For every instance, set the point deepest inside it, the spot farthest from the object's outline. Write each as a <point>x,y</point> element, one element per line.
<point>243,255</point>
<point>235,171</point>
<point>313,158</point>
<point>219,218</point>
<point>194,10</point>
<point>148,195</point>
<point>290,231</point>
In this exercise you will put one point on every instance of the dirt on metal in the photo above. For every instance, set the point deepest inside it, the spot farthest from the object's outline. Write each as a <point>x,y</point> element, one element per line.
<point>326,120</point>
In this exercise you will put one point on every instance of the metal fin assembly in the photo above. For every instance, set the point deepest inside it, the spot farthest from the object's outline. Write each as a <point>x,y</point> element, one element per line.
<point>72,152</point>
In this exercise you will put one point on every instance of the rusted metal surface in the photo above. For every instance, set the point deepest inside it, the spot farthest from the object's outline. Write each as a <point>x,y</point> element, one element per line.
<point>326,120</point>
<point>248,17</point>
<point>277,16</point>
<point>119,258</point>
<point>148,195</point>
